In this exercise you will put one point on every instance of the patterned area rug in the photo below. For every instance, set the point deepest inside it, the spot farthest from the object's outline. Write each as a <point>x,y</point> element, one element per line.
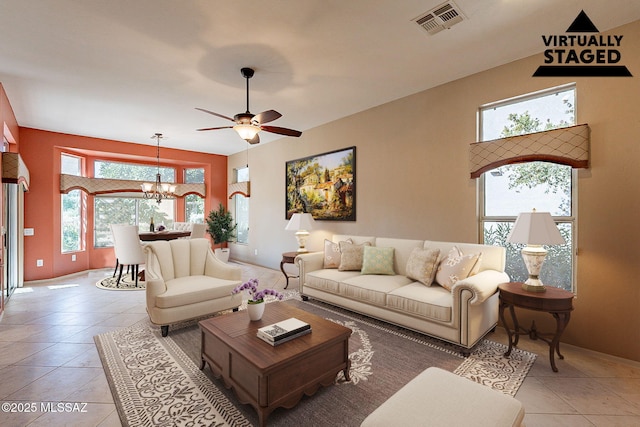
<point>155,381</point>
<point>126,284</point>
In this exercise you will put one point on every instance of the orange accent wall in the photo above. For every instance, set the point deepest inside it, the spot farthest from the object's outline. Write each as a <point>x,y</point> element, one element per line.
<point>8,122</point>
<point>41,151</point>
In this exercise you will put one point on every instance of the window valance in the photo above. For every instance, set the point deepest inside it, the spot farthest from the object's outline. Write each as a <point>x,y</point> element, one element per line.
<point>106,186</point>
<point>14,170</point>
<point>242,188</point>
<point>568,146</point>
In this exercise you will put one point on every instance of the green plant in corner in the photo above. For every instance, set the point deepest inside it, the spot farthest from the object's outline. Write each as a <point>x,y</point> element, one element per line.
<point>220,226</point>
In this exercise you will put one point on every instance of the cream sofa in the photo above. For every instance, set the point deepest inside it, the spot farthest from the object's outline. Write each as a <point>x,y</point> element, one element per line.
<point>184,280</point>
<point>462,315</point>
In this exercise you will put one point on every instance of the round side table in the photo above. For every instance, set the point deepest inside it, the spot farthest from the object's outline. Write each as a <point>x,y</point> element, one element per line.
<point>557,302</point>
<point>288,258</point>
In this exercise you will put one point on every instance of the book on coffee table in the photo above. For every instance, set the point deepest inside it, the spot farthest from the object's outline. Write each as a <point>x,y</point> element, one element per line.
<point>283,331</point>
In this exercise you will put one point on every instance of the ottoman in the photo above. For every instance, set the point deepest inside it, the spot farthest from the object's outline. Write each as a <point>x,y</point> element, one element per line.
<point>440,398</point>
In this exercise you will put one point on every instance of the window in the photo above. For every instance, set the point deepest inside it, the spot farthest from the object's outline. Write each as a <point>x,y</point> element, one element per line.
<point>129,208</point>
<point>136,172</point>
<point>194,204</point>
<point>242,208</point>
<point>71,207</point>
<point>506,191</point>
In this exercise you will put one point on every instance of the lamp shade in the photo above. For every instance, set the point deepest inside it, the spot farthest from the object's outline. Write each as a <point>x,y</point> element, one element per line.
<point>535,228</point>
<point>300,221</point>
<point>246,131</point>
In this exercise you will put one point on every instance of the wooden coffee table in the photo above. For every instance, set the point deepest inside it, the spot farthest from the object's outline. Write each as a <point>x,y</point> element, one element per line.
<point>269,377</point>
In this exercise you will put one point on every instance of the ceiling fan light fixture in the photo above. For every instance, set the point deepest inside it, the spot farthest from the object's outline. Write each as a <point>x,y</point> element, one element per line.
<point>247,131</point>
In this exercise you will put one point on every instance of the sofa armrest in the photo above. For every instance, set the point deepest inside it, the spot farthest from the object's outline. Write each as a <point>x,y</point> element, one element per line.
<point>308,262</point>
<point>216,268</point>
<point>481,285</point>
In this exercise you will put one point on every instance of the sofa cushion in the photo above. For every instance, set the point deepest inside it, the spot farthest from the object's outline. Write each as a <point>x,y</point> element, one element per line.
<point>194,289</point>
<point>432,302</point>
<point>371,288</point>
<point>377,260</point>
<point>332,253</point>
<point>327,279</point>
<point>351,256</point>
<point>455,266</point>
<point>422,265</point>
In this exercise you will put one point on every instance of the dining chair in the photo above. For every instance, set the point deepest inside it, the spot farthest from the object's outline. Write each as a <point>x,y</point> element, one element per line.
<point>113,240</point>
<point>181,226</point>
<point>128,249</point>
<point>197,230</point>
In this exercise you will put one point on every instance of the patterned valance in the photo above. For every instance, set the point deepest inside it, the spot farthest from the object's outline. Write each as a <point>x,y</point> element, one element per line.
<point>14,170</point>
<point>242,188</point>
<point>107,186</point>
<point>567,146</point>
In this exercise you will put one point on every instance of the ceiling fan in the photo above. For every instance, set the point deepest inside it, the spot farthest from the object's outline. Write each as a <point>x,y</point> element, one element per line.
<point>248,125</point>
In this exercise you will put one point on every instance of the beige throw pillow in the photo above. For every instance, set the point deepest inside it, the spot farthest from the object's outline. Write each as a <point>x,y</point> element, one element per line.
<point>455,267</point>
<point>332,253</point>
<point>422,265</point>
<point>351,256</point>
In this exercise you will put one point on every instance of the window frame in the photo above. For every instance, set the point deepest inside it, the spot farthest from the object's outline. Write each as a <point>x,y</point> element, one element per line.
<point>571,219</point>
<point>187,198</point>
<point>81,208</point>
<point>238,198</point>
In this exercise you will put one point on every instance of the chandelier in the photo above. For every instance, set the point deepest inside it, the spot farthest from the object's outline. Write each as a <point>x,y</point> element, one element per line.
<point>157,190</point>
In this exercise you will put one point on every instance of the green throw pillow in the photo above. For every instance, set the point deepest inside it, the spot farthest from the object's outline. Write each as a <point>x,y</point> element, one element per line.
<point>377,260</point>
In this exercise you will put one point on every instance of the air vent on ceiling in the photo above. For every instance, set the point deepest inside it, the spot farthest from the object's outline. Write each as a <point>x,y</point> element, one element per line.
<point>440,17</point>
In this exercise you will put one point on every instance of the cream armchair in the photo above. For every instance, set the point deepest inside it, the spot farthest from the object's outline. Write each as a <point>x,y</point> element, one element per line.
<point>184,280</point>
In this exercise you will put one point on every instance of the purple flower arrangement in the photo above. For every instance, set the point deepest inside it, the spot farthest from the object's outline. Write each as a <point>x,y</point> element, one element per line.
<point>256,296</point>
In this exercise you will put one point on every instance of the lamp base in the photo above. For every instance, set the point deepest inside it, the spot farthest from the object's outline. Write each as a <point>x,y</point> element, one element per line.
<point>533,285</point>
<point>533,256</point>
<point>301,237</point>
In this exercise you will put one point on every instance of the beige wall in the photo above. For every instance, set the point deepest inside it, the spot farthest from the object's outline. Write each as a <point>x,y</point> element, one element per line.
<point>413,181</point>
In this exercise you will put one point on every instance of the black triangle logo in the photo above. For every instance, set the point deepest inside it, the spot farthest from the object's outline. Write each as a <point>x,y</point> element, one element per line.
<point>582,24</point>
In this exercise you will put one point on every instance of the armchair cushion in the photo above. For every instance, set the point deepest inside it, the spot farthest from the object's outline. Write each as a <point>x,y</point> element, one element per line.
<point>194,289</point>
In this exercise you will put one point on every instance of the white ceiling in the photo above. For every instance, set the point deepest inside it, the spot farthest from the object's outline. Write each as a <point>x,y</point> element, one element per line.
<point>125,69</point>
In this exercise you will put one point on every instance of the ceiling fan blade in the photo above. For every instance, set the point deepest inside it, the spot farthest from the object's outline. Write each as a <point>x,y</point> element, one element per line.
<point>254,140</point>
<point>216,128</point>
<point>281,131</point>
<point>215,114</point>
<point>266,116</point>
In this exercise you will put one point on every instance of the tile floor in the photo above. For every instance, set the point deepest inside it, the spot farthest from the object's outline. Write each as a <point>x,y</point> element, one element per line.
<point>47,356</point>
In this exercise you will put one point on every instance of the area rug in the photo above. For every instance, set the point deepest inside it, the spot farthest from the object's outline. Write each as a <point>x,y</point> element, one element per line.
<point>156,381</point>
<point>126,284</point>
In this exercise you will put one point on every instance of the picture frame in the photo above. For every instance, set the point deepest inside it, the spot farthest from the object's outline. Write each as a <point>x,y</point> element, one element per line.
<point>323,185</point>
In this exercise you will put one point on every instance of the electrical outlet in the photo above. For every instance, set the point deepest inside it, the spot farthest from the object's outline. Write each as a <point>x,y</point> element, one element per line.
<point>255,252</point>
<point>39,263</point>
<point>73,257</point>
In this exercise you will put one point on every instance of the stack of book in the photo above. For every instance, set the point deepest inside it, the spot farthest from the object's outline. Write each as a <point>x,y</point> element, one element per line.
<point>283,331</point>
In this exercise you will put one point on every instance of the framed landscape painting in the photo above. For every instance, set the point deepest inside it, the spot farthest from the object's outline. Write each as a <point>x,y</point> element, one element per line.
<point>323,185</point>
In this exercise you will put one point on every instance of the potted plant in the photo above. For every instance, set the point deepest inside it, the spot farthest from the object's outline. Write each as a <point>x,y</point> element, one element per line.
<point>255,304</point>
<point>222,229</point>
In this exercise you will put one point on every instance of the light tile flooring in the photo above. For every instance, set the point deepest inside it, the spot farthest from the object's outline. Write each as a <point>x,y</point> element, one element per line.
<point>47,356</point>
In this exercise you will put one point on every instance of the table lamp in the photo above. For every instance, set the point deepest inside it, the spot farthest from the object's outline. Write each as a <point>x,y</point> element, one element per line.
<point>535,229</point>
<point>302,223</point>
